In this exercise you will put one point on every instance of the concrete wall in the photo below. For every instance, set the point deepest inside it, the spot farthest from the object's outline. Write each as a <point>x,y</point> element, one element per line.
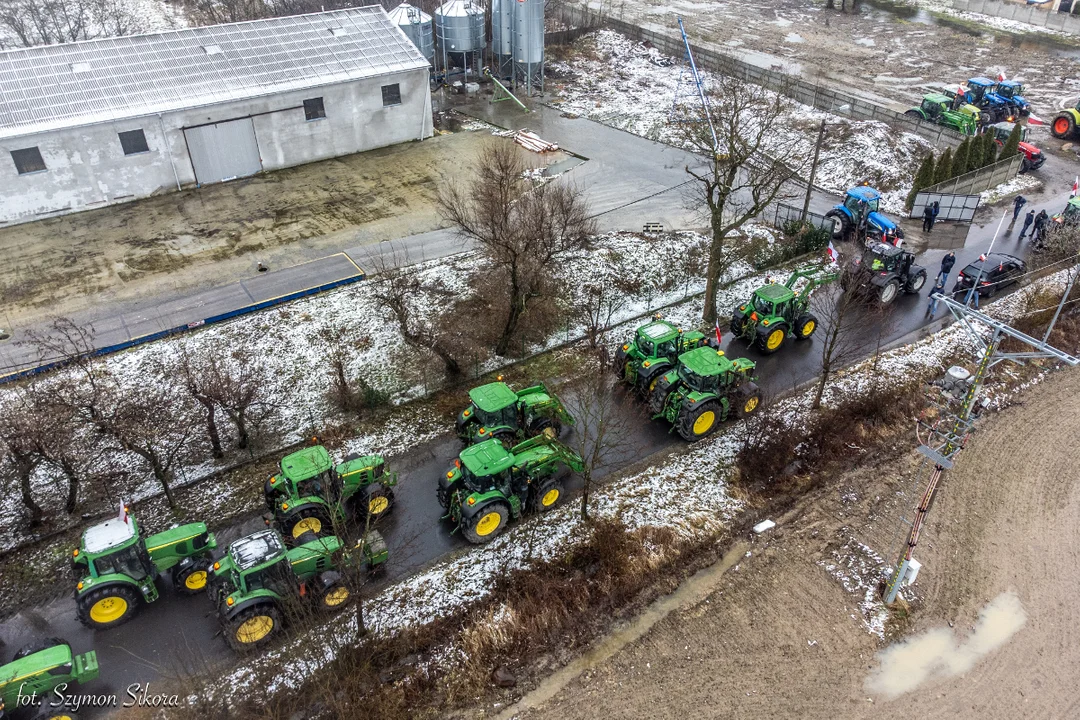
<point>86,166</point>
<point>1041,15</point>
<point>670,43</point>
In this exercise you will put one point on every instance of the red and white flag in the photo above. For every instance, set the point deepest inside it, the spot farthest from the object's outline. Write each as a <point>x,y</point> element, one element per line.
<point>122,516</point>
<point>982,258</point>
<point>1034,119</point>
<point>719,342</point>
<point>831,252</point>
<point>1076,186</point>
<point>1001,76</point>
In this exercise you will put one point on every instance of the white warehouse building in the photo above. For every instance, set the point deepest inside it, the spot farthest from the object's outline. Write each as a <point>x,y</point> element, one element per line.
<point>88,124</point>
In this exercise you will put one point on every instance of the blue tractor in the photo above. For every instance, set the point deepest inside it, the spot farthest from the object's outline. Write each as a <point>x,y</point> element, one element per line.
<point>1013,94</point>
<point>980,93</point>
<point>858,219</point>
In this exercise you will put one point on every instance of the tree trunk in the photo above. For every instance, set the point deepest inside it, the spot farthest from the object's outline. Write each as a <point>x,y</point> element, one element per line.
<point>211,426</point>
<point>453,369</point>
<point>517,307</point>
<point>586,486</point>
<point>820,389</point>
<point>240,420</point>
<point>25,468</point>
<point>712,281</point>
<point>73,487</point>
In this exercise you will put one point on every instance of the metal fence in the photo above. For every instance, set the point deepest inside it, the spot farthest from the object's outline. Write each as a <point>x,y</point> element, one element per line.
<point>950,207</point>
<point>980,180</point>
<point>798,89</point>
<point>788,213</point>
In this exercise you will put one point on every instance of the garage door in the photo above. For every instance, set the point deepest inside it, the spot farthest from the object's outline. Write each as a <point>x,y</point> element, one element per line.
<point>223,151</point>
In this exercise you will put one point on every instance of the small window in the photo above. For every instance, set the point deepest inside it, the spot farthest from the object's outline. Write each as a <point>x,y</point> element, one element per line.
<point>28,160</point>
<point>391,95</point>
<point>134,142</point>
<point>313,109</point>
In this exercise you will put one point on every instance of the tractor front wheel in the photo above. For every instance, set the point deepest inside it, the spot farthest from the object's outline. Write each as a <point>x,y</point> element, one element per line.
<point>699,421</point>
<point>253,627</point>
<point>748,402</point>
<point>107,607</point>
<point>1064,126</point>
<point>378,501</point>
<point>487,523</point>
<point>805,326</point>
<point>841,224</point>
<point>915,283</point>
<point>915,114</point>
<point>334,597</point>
<point>308,520</point>
<point>190,579</point>
<point>548,495</point>
<point>770,339</point>
<point>888,292</point>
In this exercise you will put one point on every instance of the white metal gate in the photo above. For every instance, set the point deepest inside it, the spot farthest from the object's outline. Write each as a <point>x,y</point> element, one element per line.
<point>223,151</point>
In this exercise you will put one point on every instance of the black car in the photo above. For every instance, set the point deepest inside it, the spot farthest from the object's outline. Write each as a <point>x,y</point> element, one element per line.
<point>996,272</point>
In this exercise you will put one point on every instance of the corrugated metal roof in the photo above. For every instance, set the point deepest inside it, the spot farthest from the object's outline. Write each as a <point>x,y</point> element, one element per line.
<point>57,86</point>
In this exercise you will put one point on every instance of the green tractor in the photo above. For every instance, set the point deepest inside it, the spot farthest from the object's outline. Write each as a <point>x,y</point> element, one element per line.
<point>1065,123</point>
<point>703,391</point>
<point>119,568</point>
<point>653,351</point>
<point>498,412</point>
<point>489,484</point>
<point>258,583</point>
<point>951,112</point>
<point>36,670</point>
<point>775,312</point>
<point>310,493</point>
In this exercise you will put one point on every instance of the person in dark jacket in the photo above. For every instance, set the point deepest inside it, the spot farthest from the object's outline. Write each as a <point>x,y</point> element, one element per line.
<point>947,263</point>
<point>927,218</point>
<point>1018,203</point>
<point>937,208</point>
<point>1040,226</point>
<point>1028,219</point>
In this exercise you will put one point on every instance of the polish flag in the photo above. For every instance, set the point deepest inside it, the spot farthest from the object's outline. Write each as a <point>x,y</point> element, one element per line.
<point>719,342</point>
<point>1076,186</point>
<point>1033,119</point>
<point>982,258</point>
<point>831,252</point>
<point>1001,76</point>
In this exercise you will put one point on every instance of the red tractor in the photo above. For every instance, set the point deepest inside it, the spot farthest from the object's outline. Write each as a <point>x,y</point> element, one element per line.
<point>1033,157</point>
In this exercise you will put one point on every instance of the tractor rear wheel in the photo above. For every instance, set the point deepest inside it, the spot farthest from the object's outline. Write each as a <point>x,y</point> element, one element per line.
<point>37,646</point>
<point>313,520</point>
<point>378,501</point>
<point>841,224</point>
<point>486,524</point>
<point>915,114</point>
<point>747,402</point>
<point>334,597</point>
<point>538,425</point>
<point>770,339</point>
<point>548,494</point>
<point>107,607</point>
<point>253,627</point>
<point>699,421</point>
<point>888,292</point>
<point>507,438</point>
<point>805,326</point>
<point>1064,126</point>
<point>190,579</point>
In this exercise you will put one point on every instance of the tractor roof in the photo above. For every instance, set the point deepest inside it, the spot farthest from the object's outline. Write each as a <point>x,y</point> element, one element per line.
<point>864,192</point>
<point>1073,202</point>
<point>35,663</point>
<point>884,249</point>
<point>658,331</point>
<point>486,458</point>
<point>1011,83</point>
<point>774,292</point>
<point>109,534</point>
<point>1004,126</point>
<point>706,361</point>
<point>492,397</point>
<point>981,82</point>
<point>937,98</point>
<point>307,463</point>
<point>257,548</point>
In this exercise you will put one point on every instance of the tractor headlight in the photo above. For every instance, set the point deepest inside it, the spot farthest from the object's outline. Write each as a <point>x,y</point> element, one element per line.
<point>471,501</point>
<point>229,601</point>
<point>625,348</point>
<point>646,364</point>
<point>765,322</point>
<point>79,586</point>
<point>284,506</point>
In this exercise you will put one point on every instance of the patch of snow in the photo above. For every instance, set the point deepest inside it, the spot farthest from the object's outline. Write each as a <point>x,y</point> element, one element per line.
<point>794,38</point>
<point>1009,190</point>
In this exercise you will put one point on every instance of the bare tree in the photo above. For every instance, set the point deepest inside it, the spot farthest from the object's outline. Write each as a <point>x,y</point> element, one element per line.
<point>521,229</point>
<point>741,176</point>
<point>348,392</point>
<point>192,368</point>
<point>604,423</point>
<point>839,308</point>
<point>19,428</point>
<point>49,22</point>
<point>396,289</point>
<point>600,303</point>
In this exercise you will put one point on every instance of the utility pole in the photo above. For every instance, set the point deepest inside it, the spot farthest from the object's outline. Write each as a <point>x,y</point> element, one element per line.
<point>813,171</point>
<point>1068,289</point>
<point>951,438</point>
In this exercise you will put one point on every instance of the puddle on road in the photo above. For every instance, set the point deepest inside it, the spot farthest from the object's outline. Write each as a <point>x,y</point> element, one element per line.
<point>938,654</point>
<point>689,593</point>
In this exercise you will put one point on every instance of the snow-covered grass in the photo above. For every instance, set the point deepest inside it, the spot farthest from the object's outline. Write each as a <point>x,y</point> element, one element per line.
<point>945,7</point>
<point>1009,190</point>
<point>613,80</point>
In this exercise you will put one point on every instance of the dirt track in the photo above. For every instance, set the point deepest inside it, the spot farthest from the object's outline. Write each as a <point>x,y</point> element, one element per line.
<point>780,637</point>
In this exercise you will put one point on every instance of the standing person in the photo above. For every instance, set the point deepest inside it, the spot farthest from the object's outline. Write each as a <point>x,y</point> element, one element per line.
<point>935,207</point>
<point>947,263</point>
<point>927,218</point>
<point>1028,219</point>
<point>939,287</point>
<point>1040,226</point>
<point>1018,203</point>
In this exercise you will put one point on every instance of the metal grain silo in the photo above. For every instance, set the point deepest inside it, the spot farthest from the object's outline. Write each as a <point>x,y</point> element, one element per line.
<point>459,31</point>
<point>502,36</point>
<point>527,45</point>
<point>416,25</point>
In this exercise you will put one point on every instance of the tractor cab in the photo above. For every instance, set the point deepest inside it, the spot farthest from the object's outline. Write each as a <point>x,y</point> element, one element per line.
<point>255,562</point>
<point>657,339</point>
<point>952,108</point>
<point>981,94</point>
<point>1071,214</point>
<point>1012,92</point>
<point>305,473</point>
<point>113,548</point>
<point>705,370</point>
<point>771,301</point>
<point>486,467</point>
<point>860,202</point>
<point>1003,130</point>
<point>883,258</point>
<point>1033,156</point>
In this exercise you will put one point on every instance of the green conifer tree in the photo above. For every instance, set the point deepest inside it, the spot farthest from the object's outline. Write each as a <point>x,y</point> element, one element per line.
<point>924,178</point>
<point>943,169</point>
